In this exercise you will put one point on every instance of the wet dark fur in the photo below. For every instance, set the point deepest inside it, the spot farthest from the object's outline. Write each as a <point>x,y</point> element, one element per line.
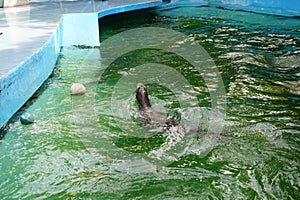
<point>142,97</point>
<point>148,115</point>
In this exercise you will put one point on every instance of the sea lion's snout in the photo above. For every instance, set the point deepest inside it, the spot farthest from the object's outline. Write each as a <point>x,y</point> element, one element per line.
<point>140,85</point>
<point>140,88</point>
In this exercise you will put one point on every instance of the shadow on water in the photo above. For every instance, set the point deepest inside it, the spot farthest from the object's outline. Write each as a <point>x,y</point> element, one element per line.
<point>3,131</point>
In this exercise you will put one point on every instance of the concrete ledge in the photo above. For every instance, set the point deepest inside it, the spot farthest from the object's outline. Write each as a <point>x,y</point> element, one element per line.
<point>12,3</point>
<point>17,86</point>
<point>128,8</point>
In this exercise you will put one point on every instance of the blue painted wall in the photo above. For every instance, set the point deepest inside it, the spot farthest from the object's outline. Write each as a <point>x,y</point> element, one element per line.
<point>181,3</point>
<point>17,86</point>
<point>276,7</point>
<point>80,29</point>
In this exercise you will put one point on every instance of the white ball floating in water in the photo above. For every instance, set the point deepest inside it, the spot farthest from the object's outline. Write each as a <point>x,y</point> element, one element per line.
<point>26,118</point>
<point>77,89</point>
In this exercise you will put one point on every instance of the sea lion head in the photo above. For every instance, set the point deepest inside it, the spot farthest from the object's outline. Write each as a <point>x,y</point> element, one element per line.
<point>142,97</point>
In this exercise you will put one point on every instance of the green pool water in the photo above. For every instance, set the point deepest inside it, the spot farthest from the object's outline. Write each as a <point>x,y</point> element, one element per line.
<point>81,148</point>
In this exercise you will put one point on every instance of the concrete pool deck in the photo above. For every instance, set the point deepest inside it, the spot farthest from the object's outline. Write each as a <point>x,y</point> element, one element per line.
<point>31,37</point>
<point>25,29</point>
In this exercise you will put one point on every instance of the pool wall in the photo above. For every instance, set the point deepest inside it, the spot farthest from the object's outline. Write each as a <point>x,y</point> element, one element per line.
<point>17,86</point>
<point>289,8</point>
<point>275,7</point>
<point>181,3</point>
<point>80,29</point>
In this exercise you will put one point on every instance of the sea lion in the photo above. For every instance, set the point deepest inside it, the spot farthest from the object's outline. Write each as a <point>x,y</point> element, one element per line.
<point>154,118</point>
<point>148,115</point>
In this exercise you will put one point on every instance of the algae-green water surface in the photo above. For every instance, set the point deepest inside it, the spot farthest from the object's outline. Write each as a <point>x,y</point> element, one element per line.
<point>78,149</point>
